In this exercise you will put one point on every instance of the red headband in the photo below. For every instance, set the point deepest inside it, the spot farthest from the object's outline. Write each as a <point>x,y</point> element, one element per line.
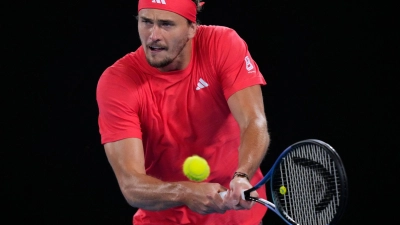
<point>185,8</point>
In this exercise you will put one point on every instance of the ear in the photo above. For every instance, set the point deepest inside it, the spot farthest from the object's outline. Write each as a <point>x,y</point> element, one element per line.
<point>192,30</point>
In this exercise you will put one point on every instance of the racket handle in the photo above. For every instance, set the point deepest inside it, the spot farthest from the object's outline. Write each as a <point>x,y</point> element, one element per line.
<point>223,193</point>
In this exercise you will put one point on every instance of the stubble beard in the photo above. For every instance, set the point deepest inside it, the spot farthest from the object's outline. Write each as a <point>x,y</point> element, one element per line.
<point>160,64</point>
<point>167,60</point>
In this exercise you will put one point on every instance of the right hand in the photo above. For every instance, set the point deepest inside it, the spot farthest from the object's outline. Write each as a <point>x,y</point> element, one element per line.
<point>234,199</point>
<point>204,198</point>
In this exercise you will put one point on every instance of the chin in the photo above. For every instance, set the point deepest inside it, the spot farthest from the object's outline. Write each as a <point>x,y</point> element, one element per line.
<point>159,63</point>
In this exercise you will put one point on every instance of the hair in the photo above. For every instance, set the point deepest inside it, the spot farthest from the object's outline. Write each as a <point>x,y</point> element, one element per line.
<point>199,8</point>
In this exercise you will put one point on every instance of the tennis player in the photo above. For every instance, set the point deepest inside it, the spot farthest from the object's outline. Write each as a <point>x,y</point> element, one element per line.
<point>189,89</point>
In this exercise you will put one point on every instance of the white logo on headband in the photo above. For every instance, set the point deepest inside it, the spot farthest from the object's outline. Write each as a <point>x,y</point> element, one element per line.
<point>159,1</point>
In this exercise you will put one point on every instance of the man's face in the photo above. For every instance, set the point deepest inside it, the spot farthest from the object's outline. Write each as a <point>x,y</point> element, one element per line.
<point>163,35</point>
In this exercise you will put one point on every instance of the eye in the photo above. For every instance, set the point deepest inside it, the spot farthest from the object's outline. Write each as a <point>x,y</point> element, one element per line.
<point>147,22</point>
<point>167,24</point>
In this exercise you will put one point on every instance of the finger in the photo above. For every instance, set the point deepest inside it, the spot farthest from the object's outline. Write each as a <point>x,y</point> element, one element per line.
<point>232,202</point>
<point>223,194</point>
<point>243,204</point>
<point>238,207</point>
<point>236,194</point>
<point>216,204</point>
<point>246,204</point>
<point>222,189</point>
<point>226,200</point>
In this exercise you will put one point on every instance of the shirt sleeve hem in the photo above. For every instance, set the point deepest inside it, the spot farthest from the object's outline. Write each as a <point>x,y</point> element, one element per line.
<point>116,137</point>
<point>250,82</point>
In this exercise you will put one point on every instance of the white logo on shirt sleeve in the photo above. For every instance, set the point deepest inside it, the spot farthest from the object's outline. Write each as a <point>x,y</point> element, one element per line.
<point>249,65</point>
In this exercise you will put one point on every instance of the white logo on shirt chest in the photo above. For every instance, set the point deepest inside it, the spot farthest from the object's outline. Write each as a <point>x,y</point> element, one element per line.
<point>201,84</point>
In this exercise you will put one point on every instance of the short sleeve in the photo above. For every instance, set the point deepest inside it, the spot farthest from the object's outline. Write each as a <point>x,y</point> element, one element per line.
<point>118,106</point>
<point>235,66</point>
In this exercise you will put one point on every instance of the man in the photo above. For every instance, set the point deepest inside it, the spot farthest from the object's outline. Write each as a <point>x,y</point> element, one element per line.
<point>188,90</point>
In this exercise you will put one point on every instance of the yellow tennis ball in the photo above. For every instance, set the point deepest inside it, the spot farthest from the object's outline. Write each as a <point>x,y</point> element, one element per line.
<point>196,168</point>
<point>282,190</point>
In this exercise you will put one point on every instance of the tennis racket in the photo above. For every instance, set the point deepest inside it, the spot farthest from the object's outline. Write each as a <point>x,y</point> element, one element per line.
<point>308,184</point>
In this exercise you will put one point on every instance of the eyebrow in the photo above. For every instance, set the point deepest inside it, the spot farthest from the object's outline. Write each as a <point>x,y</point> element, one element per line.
<point>163,21</point>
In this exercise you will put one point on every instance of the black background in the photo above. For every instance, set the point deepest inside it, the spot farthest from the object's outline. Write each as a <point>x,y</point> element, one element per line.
<point>330,67</point>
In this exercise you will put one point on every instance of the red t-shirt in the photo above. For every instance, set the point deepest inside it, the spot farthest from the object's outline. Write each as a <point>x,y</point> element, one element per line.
<point>181,113</point>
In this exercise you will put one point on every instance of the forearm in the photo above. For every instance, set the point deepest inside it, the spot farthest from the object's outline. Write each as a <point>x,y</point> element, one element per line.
<point>126,157</point>
<point>253,147</point>
<point>140,190</point>
<point>149,193</point>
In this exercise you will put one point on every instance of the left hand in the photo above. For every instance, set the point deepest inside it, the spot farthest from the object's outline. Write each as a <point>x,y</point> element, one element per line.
<point>233,199</point>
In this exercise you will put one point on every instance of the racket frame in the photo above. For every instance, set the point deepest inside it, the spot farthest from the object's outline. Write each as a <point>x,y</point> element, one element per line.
<point>336,158</point>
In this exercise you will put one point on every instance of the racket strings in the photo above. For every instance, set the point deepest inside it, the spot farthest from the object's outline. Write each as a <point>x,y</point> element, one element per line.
<point>311,187</point>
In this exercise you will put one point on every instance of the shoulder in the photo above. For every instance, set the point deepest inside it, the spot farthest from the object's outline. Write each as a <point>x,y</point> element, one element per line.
<point>124,65</point>
<point>123,78</point>
<point>214,32</point>
<point>215,29</point>
<point>219,39</point>
<point>126,69</point>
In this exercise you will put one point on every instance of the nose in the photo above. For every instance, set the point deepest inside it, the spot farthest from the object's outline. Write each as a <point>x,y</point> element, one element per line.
<point>154,33</point>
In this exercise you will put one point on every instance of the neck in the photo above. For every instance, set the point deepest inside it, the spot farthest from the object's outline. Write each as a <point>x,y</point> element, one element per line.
<point>182,60</point>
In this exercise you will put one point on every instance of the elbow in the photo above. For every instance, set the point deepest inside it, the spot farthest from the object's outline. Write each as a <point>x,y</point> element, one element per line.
<point>132,190</point>
<point>129,196</point>
<point>259,124</point>
<point>258,129</point>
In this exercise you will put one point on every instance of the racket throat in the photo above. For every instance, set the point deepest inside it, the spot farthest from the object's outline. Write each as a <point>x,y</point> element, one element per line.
<point>246,195</point>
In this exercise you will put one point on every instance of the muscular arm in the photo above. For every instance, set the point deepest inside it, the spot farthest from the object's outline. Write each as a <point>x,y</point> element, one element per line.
<point>248,109</point>
<point>142,191</point>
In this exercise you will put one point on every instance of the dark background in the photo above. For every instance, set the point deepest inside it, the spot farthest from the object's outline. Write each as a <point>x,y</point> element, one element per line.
<point>330,68</point>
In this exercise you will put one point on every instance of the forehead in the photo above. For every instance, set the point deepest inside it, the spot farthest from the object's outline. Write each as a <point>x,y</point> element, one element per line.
<point>158,14</point>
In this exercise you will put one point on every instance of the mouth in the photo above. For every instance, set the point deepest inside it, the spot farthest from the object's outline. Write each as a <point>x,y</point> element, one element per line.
<point>157,48</point>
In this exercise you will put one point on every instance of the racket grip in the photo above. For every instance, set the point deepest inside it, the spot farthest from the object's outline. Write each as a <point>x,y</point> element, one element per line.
<point>223,193</point>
